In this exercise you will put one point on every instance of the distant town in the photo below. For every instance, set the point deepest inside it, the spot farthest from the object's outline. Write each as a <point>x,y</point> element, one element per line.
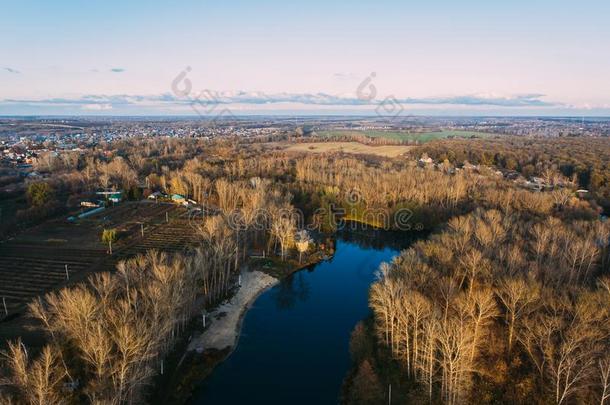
<point>24,140</point>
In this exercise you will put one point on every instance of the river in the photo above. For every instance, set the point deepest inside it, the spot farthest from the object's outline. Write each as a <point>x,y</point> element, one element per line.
<point>294,343</point>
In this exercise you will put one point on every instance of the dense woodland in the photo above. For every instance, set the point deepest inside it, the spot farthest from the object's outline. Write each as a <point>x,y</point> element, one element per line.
<point>506,302</point>
<point>586,159</point>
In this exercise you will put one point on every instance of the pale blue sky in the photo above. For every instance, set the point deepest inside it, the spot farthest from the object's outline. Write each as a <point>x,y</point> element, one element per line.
<point>435,57</point>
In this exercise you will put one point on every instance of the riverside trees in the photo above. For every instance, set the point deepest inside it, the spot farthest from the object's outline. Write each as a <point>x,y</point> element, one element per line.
<point>110,334</point>
<point>302,243</point>
<point>500,290</point>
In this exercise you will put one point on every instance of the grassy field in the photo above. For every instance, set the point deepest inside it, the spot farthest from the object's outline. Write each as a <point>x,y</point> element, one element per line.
<point>403,136</point>
<point>348,147</point>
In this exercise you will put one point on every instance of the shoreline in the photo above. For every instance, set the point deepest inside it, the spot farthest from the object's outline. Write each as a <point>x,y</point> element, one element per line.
<point>226,319</point>
<point>206,349</point>
<point>231,313</point>
<point>215,344</point>
<point>268,283</point>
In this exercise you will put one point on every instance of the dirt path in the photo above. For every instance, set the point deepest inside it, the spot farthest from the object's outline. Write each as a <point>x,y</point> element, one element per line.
<point>225,321</point>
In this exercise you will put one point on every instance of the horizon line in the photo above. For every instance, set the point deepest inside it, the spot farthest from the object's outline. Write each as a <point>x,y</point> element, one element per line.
<point>239,116</point>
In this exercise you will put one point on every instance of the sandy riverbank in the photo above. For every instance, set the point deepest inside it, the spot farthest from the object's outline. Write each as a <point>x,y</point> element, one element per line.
<point>205,350</point>
<point>225,321</point>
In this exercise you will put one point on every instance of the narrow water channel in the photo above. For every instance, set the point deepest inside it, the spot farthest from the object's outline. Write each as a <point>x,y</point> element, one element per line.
<point>294,343</point>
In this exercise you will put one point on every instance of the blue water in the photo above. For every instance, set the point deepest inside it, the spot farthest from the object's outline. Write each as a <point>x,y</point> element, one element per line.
<point>294,343</point>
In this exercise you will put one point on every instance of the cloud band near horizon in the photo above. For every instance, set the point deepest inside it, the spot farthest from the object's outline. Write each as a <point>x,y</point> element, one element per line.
<point>208,97</point>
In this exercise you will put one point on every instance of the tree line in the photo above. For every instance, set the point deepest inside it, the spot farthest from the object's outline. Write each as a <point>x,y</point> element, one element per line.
<point>585,159</point>
<point>500,306</point>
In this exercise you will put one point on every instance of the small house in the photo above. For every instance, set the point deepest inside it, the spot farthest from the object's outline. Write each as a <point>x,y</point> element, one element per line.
<point>113,196</point>
<point>91,203</point>
<point>178,198</point>
<point>116,197</point>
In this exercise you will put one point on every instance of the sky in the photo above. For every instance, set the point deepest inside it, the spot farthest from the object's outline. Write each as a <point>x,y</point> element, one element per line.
<point>436,57</point>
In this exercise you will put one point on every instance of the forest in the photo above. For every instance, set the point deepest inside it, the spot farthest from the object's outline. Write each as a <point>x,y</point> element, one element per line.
<point>584,159</point>
<point>505,302</point>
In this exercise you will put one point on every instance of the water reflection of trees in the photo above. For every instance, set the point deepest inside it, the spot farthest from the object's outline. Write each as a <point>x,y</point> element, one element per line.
<point>296,287</point>
<point>370,238</point>
<point>291,289</point>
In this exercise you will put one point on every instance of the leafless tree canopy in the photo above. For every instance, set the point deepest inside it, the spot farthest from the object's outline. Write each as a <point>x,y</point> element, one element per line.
<point>497,293</point>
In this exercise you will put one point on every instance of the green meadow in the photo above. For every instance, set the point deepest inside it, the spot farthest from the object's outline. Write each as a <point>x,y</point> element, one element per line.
<point>403,136</point>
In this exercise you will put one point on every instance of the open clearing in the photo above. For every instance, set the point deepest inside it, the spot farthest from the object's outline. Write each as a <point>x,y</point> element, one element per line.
<point>349,147</point>
<point>406,136</point>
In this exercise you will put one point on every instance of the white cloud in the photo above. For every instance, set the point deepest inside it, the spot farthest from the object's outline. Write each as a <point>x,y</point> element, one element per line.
<point>96,107</point>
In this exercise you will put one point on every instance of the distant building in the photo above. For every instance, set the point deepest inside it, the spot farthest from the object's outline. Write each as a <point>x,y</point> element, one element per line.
<point>114,196</point>
<point>178,198</point>
<point>91,203</point>
<point>86,214</point>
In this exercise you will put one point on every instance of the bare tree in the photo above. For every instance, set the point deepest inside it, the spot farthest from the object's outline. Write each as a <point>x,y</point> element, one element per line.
<point>455,345</point>
<point>517,299</point>
<point>37,381</point>
<point>482,309</point>
<point>604,377</point>
<point>302,243</point>
<point>283,229</point>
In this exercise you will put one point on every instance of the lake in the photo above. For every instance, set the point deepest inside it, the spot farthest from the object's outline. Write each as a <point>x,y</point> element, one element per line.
<point>294,346</point>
